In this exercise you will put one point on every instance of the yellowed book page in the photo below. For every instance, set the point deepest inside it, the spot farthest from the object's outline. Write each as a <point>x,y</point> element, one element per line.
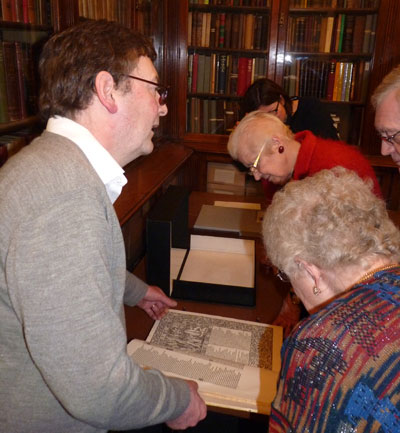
<point>235,362</point>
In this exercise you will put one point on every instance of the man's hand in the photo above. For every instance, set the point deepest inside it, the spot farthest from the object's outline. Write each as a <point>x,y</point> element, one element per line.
<point>156,303</point>
<point>195,412</point>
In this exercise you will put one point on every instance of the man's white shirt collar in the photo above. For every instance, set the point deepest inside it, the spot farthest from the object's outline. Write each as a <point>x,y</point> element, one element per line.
<point>109,171</point>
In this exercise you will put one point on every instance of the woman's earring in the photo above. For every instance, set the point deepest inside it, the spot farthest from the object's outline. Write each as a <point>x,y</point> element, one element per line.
<point>316,290</point>
<point>281,149</point>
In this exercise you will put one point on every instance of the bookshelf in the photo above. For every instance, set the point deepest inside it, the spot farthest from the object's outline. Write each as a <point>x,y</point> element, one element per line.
<point>26,25</point>
<point>167,23</point>
<point>23,29</point>
<point>355,117</point>
<point>304,45</point>
<point>228,45</point>
<point>329,55</point>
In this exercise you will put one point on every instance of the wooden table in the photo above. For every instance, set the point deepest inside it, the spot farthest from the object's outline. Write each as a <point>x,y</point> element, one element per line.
<point>270,291</point>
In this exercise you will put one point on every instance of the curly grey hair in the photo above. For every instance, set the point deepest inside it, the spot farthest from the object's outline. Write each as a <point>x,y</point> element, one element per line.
<point>331,219</point>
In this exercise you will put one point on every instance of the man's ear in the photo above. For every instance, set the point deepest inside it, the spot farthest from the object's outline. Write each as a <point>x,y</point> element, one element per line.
<point>313,271</point>
<point>104,85</point>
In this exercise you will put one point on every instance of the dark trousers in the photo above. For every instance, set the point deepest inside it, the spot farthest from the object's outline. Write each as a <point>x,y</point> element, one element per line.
<point>216,423</point>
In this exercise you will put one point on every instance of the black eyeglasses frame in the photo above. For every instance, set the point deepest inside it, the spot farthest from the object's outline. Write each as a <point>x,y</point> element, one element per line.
<point>161,89</point>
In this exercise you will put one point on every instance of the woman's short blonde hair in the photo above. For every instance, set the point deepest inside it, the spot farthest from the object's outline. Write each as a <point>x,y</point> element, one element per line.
<point>331,220</point>
<point>271,124</point>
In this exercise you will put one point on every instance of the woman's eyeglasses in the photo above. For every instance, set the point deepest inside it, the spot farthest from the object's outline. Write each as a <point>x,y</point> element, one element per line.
<point>254,166</point>
<point>283,277</point>
<point>160,88</point>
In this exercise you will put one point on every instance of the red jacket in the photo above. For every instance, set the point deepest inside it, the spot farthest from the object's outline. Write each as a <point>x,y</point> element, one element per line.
<point>317,153</point>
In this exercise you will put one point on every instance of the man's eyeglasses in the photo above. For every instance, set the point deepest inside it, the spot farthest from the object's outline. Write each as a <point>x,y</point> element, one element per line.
<point>392,139</point>
<point>254,166</point>
<point>160,88</point>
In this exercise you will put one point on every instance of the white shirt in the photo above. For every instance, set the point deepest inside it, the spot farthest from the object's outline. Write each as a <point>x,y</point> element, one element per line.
<point>109,171</point>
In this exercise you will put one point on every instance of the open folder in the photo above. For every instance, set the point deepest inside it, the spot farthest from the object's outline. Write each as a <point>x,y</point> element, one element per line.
<point>238,221</point>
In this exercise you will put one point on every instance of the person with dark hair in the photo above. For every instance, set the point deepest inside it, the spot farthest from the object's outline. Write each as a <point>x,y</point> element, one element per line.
<point>333,239</point>
<point>64,365</point>
<point>300,114</point>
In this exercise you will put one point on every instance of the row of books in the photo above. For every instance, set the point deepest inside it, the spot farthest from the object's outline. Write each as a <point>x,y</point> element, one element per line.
<point>259,3</point>
<point>340,34</point>
<point>28,11</point>
<point>228,30</point>
<point>332,80</point>
<point>112,10</point>
<point>18,89</point>
<point>211,116</point>
<point>349,4</point>
<point>223,73</point>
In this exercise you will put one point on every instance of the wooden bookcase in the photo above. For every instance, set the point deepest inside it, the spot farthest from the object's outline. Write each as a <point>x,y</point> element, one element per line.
<point>227,50</point>
<point>356,115</point>
<point>167,23</point>
<point>23,31</point>
<point>329,54</point>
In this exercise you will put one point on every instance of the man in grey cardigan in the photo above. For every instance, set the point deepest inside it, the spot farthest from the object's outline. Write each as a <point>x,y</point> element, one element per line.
<point>63,362</point>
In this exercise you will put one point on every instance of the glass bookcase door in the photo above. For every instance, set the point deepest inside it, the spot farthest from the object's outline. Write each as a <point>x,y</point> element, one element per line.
<point>227,49</point>
<point>329,54</point>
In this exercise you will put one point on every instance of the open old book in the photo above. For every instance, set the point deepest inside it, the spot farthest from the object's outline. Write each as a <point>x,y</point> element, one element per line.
<point>235,362</point>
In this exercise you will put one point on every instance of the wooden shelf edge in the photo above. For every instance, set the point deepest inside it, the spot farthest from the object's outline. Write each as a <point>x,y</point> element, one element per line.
<point>146,175</point>
<point>17,125</point>
<point>381,161</point>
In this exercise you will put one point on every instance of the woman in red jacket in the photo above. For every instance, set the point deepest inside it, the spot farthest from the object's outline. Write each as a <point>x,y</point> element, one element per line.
<point>274,155</point>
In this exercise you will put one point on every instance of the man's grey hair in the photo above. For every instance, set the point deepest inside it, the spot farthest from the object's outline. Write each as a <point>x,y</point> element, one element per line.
<point>390,83</point>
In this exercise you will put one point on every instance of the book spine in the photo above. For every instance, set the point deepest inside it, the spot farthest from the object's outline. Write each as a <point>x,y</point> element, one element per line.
<point>221,29</point>
<point>21,80</point>
<point>12,85</point>
<point>207,73</point>
<point>228,30</point>
<point>195,72</point>
<point>249,32</point>
<point>190,23</point>
<point>190,73</point>
<point>6,9</point>
<point>208,29</point>
<point>222,73</point>
<point>212,30</point>
<point>367,34</point>
<point>200,73</point>
<point>331,80</point>
<point>242,73</point>
<point>3,91</point>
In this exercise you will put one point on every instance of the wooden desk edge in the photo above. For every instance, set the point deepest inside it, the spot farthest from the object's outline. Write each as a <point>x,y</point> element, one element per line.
<point>146,175</point>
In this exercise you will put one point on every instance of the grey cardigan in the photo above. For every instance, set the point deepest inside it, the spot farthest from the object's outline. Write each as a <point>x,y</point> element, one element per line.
<point>63,361</point>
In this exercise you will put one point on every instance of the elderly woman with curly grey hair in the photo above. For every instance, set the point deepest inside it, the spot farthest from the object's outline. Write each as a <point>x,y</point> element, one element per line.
<point>333,239</point>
